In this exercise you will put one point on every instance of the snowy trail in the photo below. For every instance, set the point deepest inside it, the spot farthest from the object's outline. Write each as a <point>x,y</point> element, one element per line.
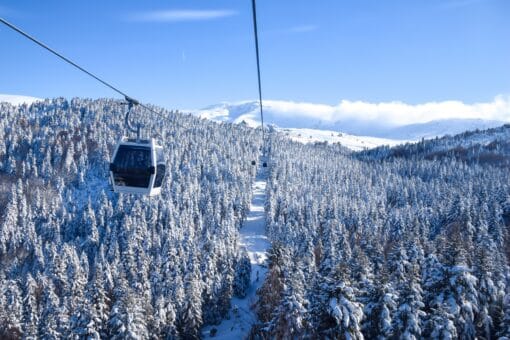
<point>253,238</point>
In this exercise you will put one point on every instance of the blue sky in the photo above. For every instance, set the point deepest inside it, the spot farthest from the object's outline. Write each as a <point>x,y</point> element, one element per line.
<point>190,54</point>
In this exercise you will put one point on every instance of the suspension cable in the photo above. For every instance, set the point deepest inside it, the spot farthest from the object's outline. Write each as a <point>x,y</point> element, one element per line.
<point>129,99</point>
<point>255,30</point>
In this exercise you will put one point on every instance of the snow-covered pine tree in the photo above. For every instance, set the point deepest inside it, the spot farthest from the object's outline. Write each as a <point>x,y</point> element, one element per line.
<point>242,275</point>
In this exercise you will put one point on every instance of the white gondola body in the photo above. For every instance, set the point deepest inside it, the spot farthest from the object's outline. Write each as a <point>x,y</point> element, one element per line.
<point>137,167</point>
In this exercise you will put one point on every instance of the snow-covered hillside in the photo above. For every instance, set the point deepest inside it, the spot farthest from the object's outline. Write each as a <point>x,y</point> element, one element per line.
<point>369,249</point>
<point>356,247</point>
<point>78,261</point>
<point>491,146</point>
<point>439,128</point>
<point>351,142</point>
<point>17,100</point>
<point>286,114</point>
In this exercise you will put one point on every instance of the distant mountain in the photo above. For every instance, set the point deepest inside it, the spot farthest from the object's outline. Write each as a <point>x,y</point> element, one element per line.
<point>17,100</point>
<point>280,113</point>
<point>439,128</point>
<point>293,124</point>
<point>321,117</point>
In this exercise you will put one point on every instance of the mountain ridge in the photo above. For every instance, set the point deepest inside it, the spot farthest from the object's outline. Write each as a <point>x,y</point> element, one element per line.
<point>317,116</point>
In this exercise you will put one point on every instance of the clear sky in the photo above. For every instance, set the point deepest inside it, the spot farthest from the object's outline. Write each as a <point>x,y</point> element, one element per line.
<point>193,53</point>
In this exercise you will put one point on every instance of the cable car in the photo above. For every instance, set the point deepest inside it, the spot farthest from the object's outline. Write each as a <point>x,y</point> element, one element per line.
<point>138,167</point>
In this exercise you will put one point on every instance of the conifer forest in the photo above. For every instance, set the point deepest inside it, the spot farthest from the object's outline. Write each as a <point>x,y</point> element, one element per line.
<point>408,242</point>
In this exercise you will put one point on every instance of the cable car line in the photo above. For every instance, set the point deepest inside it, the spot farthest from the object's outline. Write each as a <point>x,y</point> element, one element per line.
<point>129,99</point>
<point>137,165</point>
<point>255,31</point>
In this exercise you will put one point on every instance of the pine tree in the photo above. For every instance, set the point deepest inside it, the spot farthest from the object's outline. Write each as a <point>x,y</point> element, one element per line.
<point>127,318</point>
<point>30,317</point>
<point>11,310</point>
<point>379,313</point>
<point>409,316</point>
<point>488,291</point>
<point>347,313</point>
<point>291,314</point>
<point>441,324</point>
<point>242,276</point>
<point>504,326</point>
<point>463,300</point>
<point>51,323</point>
<point>81,323</point>
<point>99,301</point>
<point>192,318</point>
<point>271,292</point>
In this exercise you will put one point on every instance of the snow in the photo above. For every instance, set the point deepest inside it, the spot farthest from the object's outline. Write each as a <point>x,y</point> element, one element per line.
<point>352,142</point>
<point>18,100</point>
<point>247,113</point>
<point>363,121</point>
<point>256,243</point>
<point>335,309</point>
<point>484,137</point>
<point>439,128</point>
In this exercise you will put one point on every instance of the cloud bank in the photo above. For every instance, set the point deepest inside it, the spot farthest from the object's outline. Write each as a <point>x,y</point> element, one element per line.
<point>394,113</point>
<point>180,15</point>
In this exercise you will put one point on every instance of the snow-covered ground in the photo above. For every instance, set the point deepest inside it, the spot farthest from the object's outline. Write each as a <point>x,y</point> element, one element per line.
<point>352,142</point>
<point>253,238</point>
<point>17,100</point>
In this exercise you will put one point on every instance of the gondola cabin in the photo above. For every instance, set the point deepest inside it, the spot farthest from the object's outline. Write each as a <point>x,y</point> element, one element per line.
<point>137,167</point>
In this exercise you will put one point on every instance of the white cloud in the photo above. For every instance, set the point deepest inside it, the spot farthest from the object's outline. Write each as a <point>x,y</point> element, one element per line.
<point>394,113</point>
<point>180,15</point>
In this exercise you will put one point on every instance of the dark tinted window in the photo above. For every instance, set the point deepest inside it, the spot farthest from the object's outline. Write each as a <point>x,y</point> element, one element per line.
<point>160,169</point>
<point>132,166</point>
<point>160,175</point>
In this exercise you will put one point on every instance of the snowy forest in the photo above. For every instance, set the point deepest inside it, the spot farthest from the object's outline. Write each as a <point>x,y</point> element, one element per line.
<point>401,243</point>
<point>78,261</point>
<point>404,243</point>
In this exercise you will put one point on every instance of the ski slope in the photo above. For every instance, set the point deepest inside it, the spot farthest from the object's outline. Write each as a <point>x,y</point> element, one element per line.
<point>355,143</point>
<point>254,240</point>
